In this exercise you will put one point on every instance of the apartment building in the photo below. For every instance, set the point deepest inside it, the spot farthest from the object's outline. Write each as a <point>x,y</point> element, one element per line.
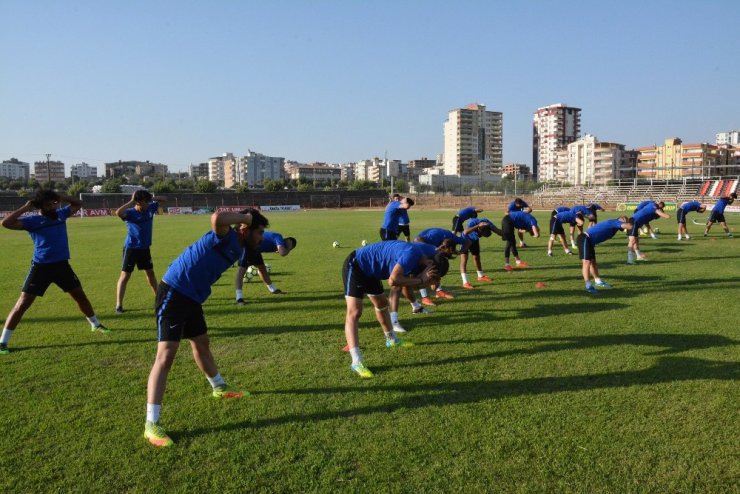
<point>554,127</point>
<point>83,170</point>
<point>254,168</point>
<point>587,161</point>
<point>675,160</point>
<point>731,138</point>
<point>15,169</point>
<point>42,170</point>
<point>473,141</point>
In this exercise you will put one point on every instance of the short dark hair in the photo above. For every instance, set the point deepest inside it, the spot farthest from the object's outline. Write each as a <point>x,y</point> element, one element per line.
<point>441,264</point>
<point>257,218</point>
<point>661,205</point>
<point>293,241</point>
<point>142,196</point>
<point>409,201</point>
<point>485,231</point>
<point>733,195</point>
<point>396,195</point>
<point>518,201</point>
<point>43,195</point>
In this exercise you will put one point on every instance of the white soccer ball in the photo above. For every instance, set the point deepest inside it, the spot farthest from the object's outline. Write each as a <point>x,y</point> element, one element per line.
<point>364,243</point>
<point>335,244</point>
<point>268,268</point>
<point>250,273</point>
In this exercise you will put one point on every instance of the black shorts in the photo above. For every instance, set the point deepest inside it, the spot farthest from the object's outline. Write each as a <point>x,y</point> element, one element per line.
<point>388,235</point>
<point>474,247</point>
<point>586,250</point>
<point>635,231</point>
<point>356,284</point>
<point>403,229</point>
<point>141,258</point>
<point>458,225</point>
<point>556,227</point>
<point>251,258</point>
<point>178,316</point>
<point>681,217</point>
<point>717,217</point>
<point>507,229</point>
<point>40,276</point>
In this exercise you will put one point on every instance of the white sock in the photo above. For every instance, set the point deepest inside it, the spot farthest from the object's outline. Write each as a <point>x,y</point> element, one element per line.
<point>5,338</point>
<point>679,237</point>
<point>271,288</point>
<point>391,335</point>
<point>687,237</point>
<point>567,251</point>
<point>423,292</point>
<point>637,253</point>
<point>597,280</point>
<point>415,305</point>
<point>216,381</point>
<point>480,273</point>
<point>356,355</point>
<point>549,252</point>
<point>239,294</point>
<point>589,284</point>
<point>464,277</point>
<point>394,317</point>
<point>630,255</point>
<point>93,321</point>
<point>152,412</point>
<point>518,261</point>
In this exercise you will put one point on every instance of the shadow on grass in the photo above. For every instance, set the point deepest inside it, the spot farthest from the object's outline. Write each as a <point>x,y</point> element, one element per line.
<point>667,369</point>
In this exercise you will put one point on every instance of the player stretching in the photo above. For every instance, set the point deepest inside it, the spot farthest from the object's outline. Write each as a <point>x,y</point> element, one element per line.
<point>642,217</point>
<point>438,237</point>
<point>687,207</point>
<point>403,264</point>
<point>404,223</point>
<point>587,249</point>
<point>557,219</point>
<point>139,219</point>
<point>458,222</point>
<point>476,228</point>
<point>588,211</point>
<point>50,263</point>
<point>389,228</point>
<point>518,204</point>
<point>271,242</point>
<point>718,214</point>
<point>179,306</point>
<point>518,220</point>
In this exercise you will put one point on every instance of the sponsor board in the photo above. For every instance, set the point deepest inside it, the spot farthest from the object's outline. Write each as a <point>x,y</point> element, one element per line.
<point>233,209</point>
<point>728,209</point>
<point>630,206</point>
<point>85,212</point>
<point>180,210</point>
<point>287,207</point>
<point>3,214</point>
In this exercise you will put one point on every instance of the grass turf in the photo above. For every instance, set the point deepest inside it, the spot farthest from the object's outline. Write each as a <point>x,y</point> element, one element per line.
<point>510,387</point>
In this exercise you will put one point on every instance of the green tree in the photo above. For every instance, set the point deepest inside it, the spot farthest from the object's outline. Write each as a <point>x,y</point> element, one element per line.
<point>304,187</point>
<point>164,186</point>
<point>204,185</point>
<point>77,188</point>
<point>111,186</point>
<point>273,185</point>
<point>242,188</point>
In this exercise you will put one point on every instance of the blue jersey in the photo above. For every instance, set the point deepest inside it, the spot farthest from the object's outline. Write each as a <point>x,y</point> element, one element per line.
<point>270,242</point>
<point>594,206</point>
<point>435,236</point>
<point>513,206</point>
<point>202,264</point>
<point>390,218</point>
<point>688,207</point>
<point>474,235</point>
<point>603,231</point>
<point>645,214</point>
<point>466,213</point>
<point>522,220</point>
<point>560,209</point>
<point>722,203</point>
<point>50,242</point>
<point>403,219</point>
<point>139,224</point>
<point>567,216</point>
<point>378,260</point>
<point>583,210</point>
<point>643,204</point>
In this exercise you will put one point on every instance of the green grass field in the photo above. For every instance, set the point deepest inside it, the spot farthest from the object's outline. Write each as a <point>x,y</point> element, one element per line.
<point>511,388</point>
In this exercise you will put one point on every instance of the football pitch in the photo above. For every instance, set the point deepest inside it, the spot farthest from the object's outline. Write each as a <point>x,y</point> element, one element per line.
<point>510,387</point>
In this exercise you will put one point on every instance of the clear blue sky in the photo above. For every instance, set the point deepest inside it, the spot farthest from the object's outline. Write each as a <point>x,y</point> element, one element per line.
<point>179,81</point>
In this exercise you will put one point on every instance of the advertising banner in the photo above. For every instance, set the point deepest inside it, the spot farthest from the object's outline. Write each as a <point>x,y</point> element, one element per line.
<point>85,212</point>
<point>630,206</point>
<point>291,207</point>
<point>180,210</point>
<point>233,209</point>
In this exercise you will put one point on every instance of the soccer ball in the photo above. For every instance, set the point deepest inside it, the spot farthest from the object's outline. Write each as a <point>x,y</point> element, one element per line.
<point>268,268</point>
<point>364,243</point>
<point>335,244</point>
<point>656,230</point>
<point>250,273</point>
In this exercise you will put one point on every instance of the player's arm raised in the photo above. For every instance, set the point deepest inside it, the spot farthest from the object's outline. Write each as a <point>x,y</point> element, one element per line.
<point>221,222</point>
<point>12,221</point>
<point>75,204</point>
<point>121,212</point>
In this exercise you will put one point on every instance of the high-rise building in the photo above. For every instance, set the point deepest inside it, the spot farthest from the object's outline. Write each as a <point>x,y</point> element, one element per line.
<point>15,169</point>
<point>199,171</point>
<point>518,170</point>
<point>83,170</point>
<point>42,169</point>
<point>554,127</point>
<point>732,138</point>
<point>217,168</point>
<point>675,160</point>
<point>473,142</point>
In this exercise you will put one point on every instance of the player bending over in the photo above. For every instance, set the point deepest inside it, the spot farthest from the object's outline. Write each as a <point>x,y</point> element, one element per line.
<point>518,220</point>
<point>718,214</point>
<point>179,307</point>
<point>643,216</point>
<point>518,204</point>
<point>458,222</point>
<point>686,208</point>
<point>439,237</point>
<point>587,249</point>
<point>393,213</point>
<point>476,228</point>
<point>271,242</point>
<point>557,220</point>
